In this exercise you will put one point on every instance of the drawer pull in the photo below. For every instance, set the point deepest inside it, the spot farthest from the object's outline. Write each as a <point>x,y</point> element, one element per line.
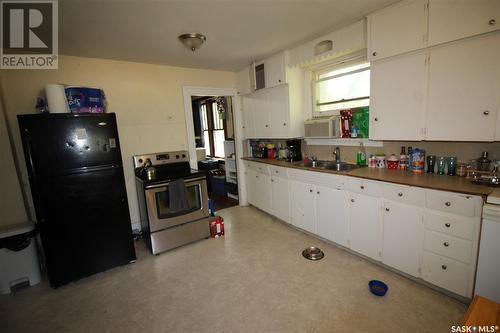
<point>352,200</point>
<point>276,171</point>
<point>447,204</point>
<point>272,180</point>
<point>387,209</point>
<point>492,22</point>
<point>444,267</point>
<point>400,194</point>
<point>317,192</point>
<point>310,191</point>
<point>447,225</point>
<point>362,187</point>
<point>446,244</point>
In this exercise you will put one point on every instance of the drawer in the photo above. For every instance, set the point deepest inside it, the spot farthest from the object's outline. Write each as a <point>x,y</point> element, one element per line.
<point>318,178</point>
<point>404,194</point>
<point>460,204</point>
<point>446,273</point>
<point>257,167</point>
<point>278,171</point>
<point>366,187</point>
<point>451,224</point>
<point>448,246</point>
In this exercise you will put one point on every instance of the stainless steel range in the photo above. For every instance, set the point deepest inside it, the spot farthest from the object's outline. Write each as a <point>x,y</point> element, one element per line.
<point>165,223</point>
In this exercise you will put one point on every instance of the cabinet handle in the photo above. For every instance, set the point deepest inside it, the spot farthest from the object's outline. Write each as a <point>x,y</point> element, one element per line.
<point>447,203</point>
<point>352,200</point>
<point>376,119</point>
<point>311,191</point>
<point>374,54</point>
<point>242,126</point>
<point>284,124</point>
<point>272,180</point>
<point>387,209</point>
<point>279,81</point>
<point>446,244</point>
<point>492,22</point>
<point>444,267</point>
<point>267,125</point>
<point>400,194</point>
<point>486,112</point>
<point>276,171</point>
<point>362,187</point>
<point>256,176</point>
<point>317,192</point>
<point>447,225</point>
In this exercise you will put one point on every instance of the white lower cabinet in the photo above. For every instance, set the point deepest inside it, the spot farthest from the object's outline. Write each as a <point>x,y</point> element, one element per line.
<point>366,225</point>
<point>446,273</point>
<point>332,214</point>
<point>302,205</point>
<point>263,193</point>
<point>251,177</point>
<point>280,198</point>
<point>402,237</point>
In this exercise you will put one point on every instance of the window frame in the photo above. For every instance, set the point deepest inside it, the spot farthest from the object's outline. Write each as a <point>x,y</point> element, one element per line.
<point>209,103</point>
<point>315,79</point>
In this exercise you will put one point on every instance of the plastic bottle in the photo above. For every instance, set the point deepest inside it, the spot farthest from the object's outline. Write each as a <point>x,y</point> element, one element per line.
<point>361,155</point>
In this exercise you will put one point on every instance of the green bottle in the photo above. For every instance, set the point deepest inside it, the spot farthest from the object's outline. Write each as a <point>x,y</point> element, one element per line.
<point>361,155</point>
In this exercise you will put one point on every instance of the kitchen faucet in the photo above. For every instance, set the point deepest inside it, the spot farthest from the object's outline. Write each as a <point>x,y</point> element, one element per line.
<point>336,153</point>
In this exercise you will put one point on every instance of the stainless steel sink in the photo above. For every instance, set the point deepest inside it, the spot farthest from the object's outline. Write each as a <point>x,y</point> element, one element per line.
<point>331,165</point>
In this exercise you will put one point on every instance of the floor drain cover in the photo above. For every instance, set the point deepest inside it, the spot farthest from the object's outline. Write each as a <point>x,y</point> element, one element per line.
<point>313,253</point>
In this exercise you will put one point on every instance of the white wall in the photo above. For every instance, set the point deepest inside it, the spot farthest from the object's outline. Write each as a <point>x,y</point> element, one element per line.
<point>147,99</point>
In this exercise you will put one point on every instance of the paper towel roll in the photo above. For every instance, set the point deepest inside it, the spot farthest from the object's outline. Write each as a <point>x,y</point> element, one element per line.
<point>56,98</point>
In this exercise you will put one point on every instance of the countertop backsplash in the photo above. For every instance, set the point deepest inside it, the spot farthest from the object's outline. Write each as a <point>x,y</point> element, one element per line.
<point>464,151</point>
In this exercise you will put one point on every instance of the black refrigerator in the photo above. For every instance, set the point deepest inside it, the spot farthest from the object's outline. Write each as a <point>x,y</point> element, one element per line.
<point>76,176</point>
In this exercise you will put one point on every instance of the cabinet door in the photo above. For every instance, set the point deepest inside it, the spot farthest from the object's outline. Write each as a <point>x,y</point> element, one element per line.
<point>275,70</point>
<point>463,90</point>
<point>263,192</point>
<point>398,90</point>
<point>452,20</point>
<point>243,84</point>
<point>261,114</point>
<point>366,225</point>
<point>397,29</point>
<point>247,117</point>
<point>251,177</point>
<point>332,214</point>
<point>402,237</point>
<point>302,205</point>
<point>280,198</point>
<point>279,112</point>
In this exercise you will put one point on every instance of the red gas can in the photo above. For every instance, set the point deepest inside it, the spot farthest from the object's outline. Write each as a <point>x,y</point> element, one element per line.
<point>217,227</point>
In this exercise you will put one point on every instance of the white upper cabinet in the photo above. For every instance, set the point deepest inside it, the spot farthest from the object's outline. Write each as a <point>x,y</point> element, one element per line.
<point>261,114</point>
<point>279,112</point>
<point>397,101</point>
<point>452,20</point>
<point>463,92</point>
<point>274,70</point>
<point>248,124</point>
<point>243,82</point>
<point>397,29</point>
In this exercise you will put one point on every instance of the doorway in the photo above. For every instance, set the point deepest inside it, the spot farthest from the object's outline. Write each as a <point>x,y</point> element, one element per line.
<point>214,139</point>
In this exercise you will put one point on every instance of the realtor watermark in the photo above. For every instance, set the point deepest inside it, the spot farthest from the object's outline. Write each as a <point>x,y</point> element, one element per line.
<point>475,328</point>
<point>29,34</point>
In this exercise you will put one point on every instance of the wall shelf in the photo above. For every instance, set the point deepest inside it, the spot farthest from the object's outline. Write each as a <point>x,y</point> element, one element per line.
<point>343,142</point>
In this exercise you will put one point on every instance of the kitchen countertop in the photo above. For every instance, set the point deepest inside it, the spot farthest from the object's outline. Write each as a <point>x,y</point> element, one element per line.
<point>426,180</point>
<point>494,197</point>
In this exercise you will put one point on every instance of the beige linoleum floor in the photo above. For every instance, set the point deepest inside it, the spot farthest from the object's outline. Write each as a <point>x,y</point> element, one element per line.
<point>252,280</point>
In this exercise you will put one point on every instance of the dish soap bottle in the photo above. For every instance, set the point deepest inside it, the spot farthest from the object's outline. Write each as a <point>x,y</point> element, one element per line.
<point>361,155</point>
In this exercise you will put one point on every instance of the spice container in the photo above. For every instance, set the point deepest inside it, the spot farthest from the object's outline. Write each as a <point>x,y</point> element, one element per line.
<point>461,169</point>
<point>392,162</point>
<point>372,162</point>
<point>380,160</point>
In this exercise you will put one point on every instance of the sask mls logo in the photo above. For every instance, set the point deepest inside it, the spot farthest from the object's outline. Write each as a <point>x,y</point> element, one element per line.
<point>29,34</point>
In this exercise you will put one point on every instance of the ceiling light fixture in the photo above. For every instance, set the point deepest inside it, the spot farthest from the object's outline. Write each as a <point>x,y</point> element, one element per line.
<point>192,41</point>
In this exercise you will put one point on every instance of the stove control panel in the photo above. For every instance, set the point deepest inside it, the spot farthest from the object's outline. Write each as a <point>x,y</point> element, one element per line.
<point>161,158</point>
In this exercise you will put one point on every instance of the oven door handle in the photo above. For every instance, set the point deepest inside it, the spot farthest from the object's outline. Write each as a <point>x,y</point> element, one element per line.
<point>188,181</point>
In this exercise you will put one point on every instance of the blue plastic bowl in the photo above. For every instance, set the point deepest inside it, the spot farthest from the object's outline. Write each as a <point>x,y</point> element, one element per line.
<point>377,287</point>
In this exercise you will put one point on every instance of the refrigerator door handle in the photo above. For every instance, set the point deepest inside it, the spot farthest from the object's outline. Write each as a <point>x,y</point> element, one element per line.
<point>34,181</point>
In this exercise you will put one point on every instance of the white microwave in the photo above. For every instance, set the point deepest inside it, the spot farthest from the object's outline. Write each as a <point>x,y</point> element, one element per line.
<point>322,127</point>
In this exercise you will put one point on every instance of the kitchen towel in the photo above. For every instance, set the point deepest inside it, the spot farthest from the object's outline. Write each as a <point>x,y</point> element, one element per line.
<point>178,199</point>
<point>56,98</point>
